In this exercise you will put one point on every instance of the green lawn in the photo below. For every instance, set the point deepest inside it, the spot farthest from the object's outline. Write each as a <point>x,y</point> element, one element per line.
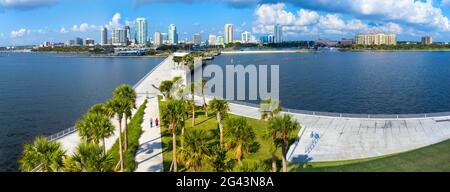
<point>134,132</point>
<point>429,159</point>
<point>259,152</point>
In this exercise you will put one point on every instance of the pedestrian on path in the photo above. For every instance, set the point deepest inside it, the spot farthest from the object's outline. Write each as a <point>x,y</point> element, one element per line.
<point>151,122</point>
<point>157,122</point>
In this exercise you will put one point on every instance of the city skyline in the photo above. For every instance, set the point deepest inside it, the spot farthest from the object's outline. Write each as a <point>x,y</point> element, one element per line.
<point>25,23</point>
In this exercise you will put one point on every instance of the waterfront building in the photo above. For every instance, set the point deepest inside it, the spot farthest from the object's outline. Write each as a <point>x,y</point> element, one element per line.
<point>278,33</point>
<point>157,39</point>
<point>427,40</point>
<point>172,34</point>
<point>212,39</point>
<point>69,43</point>
<point>141,30</point>
<point>104,36</point>
<point>246,37</point>
<point>78,41</point>
<point>197,39</point>
<point>376,39</point>
<point>228,32</point>
<point>46,44</point>
<point>128,34</point>
<point>220,40</point>
<point>89,42</point>
<point>267,39</point>
<point>119,37</point>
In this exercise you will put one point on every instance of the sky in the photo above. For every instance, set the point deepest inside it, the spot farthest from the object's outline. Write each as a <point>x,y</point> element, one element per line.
<point>25,22</point>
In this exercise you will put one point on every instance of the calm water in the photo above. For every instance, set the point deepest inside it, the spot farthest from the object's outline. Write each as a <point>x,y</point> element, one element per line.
<point>359,82</point>
<point>41,94</point>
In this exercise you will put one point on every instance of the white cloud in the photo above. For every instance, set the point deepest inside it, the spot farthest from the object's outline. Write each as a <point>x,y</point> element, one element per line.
<point>27,4</point>
<point>312,23</point>
<point>63,30</point>
<point>115,21</point>
<point>84,27</point>
<point>19,33</point>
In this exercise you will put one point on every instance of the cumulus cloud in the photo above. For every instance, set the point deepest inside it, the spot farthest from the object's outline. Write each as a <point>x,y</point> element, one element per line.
<point>19,33</point>
<point>115,21</point>
<point>231,3</point>
<point>26,4</point>
<point>311,22</point>
<point>83,27</point>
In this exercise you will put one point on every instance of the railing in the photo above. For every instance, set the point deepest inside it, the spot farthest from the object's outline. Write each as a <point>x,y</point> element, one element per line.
<point>62,133</point>
<point>350,115</point>
<point>151,71</point>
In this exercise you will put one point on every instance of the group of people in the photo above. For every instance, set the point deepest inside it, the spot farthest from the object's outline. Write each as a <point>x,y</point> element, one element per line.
<point>156,122</point>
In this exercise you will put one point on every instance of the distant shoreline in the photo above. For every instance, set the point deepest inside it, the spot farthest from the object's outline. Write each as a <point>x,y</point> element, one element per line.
<point>109,56</point>
<point>402,50</point>
<point>268,51</point>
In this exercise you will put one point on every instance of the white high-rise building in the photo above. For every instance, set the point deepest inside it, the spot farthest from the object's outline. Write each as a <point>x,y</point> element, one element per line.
<point>228,32</point>
<point>220,40</point>
<point>212,39</point>
<point>119,37</point>
<point>278,33</point>
<point>141,31</point>
<point>172,34</point>
<point>157,39</point>
<point>104,36</point>
<point>246,37</point>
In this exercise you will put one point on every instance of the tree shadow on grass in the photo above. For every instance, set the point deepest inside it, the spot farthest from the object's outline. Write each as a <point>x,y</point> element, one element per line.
<point>254,147</point>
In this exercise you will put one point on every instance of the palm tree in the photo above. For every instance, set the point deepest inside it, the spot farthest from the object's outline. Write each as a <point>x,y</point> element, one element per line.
<point>178,60</point>
<point>128,95</point>
<point>118,106</point>
<point>196,149</point>
<point>282,127</point>
<point>173,116</point>
<point>89,158</point>
<point>240,135</point>
<point>221,108</point>
<point>94,127</point>
<point>271,133</point>
<point>192,103</point>
<point>202,85</point>
<point>269,107</point>
<point>166,87</point>
<point>101,109</point>
<point>220,162</point>
<point>43,155</point>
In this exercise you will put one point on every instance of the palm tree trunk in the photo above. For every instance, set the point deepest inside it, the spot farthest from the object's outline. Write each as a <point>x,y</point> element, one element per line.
<point>125,133</point>
<point>104,145</point>
<point>174,150</point>
<point>219,120</point>
<point>283,156</point>
<point>204,104</point>
<point>274,157</point>
<point>193,115</point>
<point>239,153</point>
<point>120,146</point>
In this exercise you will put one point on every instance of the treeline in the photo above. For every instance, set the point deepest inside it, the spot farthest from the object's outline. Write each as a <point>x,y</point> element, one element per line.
<point>77,49</point>
<point>400,47</point>
<point>288,44</point>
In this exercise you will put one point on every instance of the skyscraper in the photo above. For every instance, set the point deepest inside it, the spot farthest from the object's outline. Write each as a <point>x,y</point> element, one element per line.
<point>228,32</point>
<point>278,33</point>
<point>246,37</point>
<point>104,36</point>
<point>212,39</point>
<point>119,37</point>
<point>157,39</point>
<point>128,34</point>
<point>141,31</point>
<point>173,35</point>
<point>197,39</point>
<point>219,40</point>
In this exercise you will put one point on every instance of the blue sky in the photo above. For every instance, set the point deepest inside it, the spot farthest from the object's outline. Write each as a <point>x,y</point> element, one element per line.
<point>34,21</point>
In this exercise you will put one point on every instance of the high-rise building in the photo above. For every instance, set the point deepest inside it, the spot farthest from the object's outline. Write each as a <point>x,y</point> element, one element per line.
<point>157,39</point>
<point>78,41</point>
<point>141,31</point>
<point>128,34</point>
<point>376,39</point>
<point>427,40</point>
<point>212,39</point>
<point>228,32</point>
<point>246,37</point>
<point>278,33</point>
<point>119,37</point>
<point>220,40</point>
<point>89,42</point>
<point>266,39</point>
<point>104,36</point>
<point>172,34</point>
<point>197,39</point>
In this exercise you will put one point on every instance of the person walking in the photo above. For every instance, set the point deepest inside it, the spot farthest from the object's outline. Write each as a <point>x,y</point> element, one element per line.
<point>157,122</point>
<point>151,122</point>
